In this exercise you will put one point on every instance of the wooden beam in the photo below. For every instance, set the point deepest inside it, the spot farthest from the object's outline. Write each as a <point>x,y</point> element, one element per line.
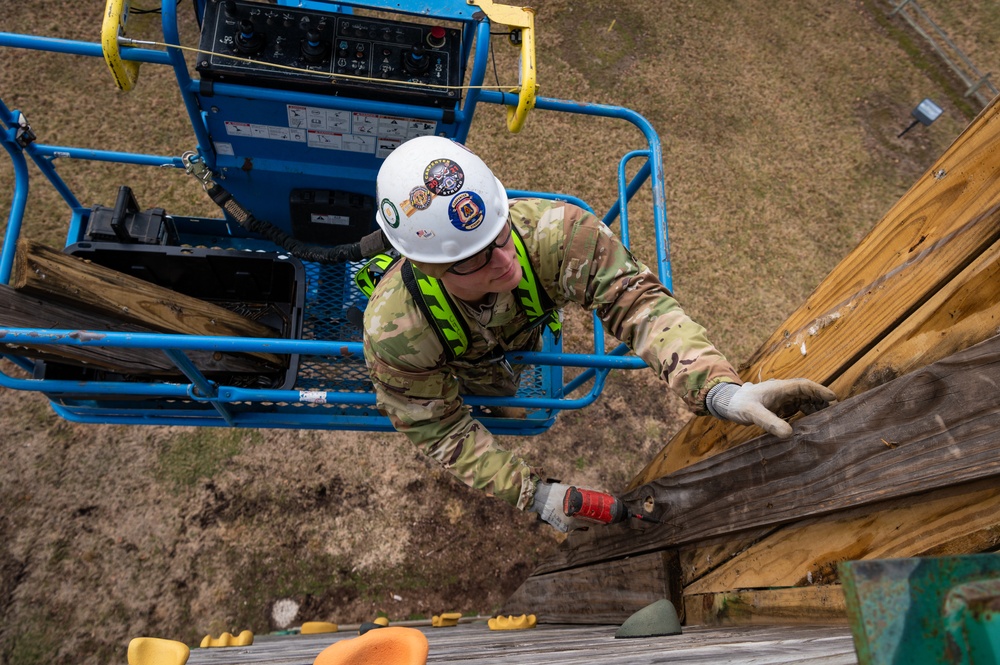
<point>814,604</point>
<point>949,217</point>
<point>705,556</point>
<point>20,310</point>
<point>932,428</point>
<point>963,313</point>
<point>49,274</point>
<point>955,520</point>
<point>608,592</point>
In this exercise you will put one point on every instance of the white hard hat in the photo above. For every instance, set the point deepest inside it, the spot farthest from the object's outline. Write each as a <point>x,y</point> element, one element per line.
<point>438,202</point>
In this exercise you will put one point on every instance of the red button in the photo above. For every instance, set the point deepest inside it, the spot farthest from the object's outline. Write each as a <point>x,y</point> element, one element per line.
<point>435,37</point>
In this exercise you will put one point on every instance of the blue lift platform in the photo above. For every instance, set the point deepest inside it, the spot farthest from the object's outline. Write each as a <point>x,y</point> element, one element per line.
<point>293,106</point>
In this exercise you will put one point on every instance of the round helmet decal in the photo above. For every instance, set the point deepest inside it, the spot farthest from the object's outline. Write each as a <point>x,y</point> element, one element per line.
<point>466,211</point>
<point>389,213</point>
<point>420,198</point>
<point>444,177</point>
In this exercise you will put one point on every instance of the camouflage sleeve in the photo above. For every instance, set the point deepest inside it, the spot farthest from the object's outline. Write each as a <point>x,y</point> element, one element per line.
<point>600,273</point>
<point>420,395</point>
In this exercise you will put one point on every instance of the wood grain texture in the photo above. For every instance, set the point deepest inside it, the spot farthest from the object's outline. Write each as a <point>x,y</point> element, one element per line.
<point>962,313</point>
<point>701,558</point>
<point>608,592</point>
<point>932,428</point>
<point>20,310</point>
<point>947,219</point>
<point>956,520</point>
<point>474,643</point>
<point>814,604</point>
<point>49,274</point>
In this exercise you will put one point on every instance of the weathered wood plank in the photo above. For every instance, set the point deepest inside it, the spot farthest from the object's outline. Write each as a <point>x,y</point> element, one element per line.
<point>608,592</point>
<point>20,310</point>
<point>950,216</point>
<point>701,558</point>
<point>813,604</point>
<point>955,520</point>
<point>47,273</point>
<point>963,313</point>
<point>575,645</point>
<point>932,428</point>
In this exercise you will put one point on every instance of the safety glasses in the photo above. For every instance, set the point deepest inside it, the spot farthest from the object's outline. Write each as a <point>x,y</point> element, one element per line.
<point>481,259</point>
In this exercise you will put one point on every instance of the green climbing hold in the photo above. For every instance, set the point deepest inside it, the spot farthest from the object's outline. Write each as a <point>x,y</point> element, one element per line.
<point>655,620</point>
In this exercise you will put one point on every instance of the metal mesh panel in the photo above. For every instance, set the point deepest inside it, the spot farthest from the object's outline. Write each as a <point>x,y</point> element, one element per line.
<point>330,296</point>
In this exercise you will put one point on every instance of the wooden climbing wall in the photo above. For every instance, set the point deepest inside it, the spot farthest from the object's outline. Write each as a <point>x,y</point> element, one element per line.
<point>905,331</point>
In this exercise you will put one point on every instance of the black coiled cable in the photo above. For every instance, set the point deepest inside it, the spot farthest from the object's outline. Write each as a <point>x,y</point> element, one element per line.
<point>370,245</point>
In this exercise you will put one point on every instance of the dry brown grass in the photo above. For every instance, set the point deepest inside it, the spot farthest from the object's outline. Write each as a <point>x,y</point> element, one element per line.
<point>779,133</point>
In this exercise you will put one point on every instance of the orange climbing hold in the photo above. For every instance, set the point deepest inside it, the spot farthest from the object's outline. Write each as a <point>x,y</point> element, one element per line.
<point>157,651</point>
<point>394,645</point>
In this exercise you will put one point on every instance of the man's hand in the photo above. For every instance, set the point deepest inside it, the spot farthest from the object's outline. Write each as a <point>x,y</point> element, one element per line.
<point>549,505</point>
<point>765,404</point>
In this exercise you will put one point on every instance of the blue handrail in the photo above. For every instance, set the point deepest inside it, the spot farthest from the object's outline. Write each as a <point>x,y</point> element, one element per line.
<point>92,400</point>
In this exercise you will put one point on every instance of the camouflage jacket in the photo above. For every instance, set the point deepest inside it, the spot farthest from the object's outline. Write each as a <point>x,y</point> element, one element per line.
<point>576,259</point>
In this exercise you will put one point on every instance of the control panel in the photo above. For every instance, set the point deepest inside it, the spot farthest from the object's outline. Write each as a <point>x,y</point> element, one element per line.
<point>253,43</point>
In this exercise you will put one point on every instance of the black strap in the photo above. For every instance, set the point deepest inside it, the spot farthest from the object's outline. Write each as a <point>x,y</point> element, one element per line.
<point>410,281</point>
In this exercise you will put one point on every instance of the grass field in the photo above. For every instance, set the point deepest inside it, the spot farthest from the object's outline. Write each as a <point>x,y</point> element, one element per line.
<point>779,124</point>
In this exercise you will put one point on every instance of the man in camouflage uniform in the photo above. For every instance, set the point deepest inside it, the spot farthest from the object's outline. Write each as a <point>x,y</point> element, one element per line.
<point>576,259</point>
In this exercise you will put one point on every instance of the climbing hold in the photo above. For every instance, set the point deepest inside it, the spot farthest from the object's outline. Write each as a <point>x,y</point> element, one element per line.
<point>382,621</point>
<point>156,651</point>
<point>513,623</point>
<point>244,639</point>
<point>316,627</point>
<point>446,619</point>
<point>368,625</point>
<point>655,620</point>
<point>394,645</point>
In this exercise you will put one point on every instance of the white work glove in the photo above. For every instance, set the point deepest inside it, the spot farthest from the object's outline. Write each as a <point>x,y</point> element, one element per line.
<point>549,505</point>
<point>765,404</point>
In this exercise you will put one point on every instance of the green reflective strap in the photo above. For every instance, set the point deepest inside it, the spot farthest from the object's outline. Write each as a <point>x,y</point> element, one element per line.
<point>527,289</point>
<point>529,293</point>
<point>368,277</point>
<point>442,311</point>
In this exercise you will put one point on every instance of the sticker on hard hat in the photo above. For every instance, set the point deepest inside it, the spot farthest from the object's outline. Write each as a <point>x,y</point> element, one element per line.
<point>389,213</point>
<point>466,211</point>
<point>420,199</point>
<point>444,177</point>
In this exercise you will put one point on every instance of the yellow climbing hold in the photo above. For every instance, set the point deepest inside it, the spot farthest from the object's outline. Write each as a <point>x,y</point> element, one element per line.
<point>382,621</point>
<point>446,619</point>
<point>316,627</point>
<point>244,639</point>
<point>513,623</point>
<point>156,651</point>
<point>386,646</point>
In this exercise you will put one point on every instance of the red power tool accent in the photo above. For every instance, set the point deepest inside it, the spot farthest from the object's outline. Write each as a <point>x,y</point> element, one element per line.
<point>594,506</point>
